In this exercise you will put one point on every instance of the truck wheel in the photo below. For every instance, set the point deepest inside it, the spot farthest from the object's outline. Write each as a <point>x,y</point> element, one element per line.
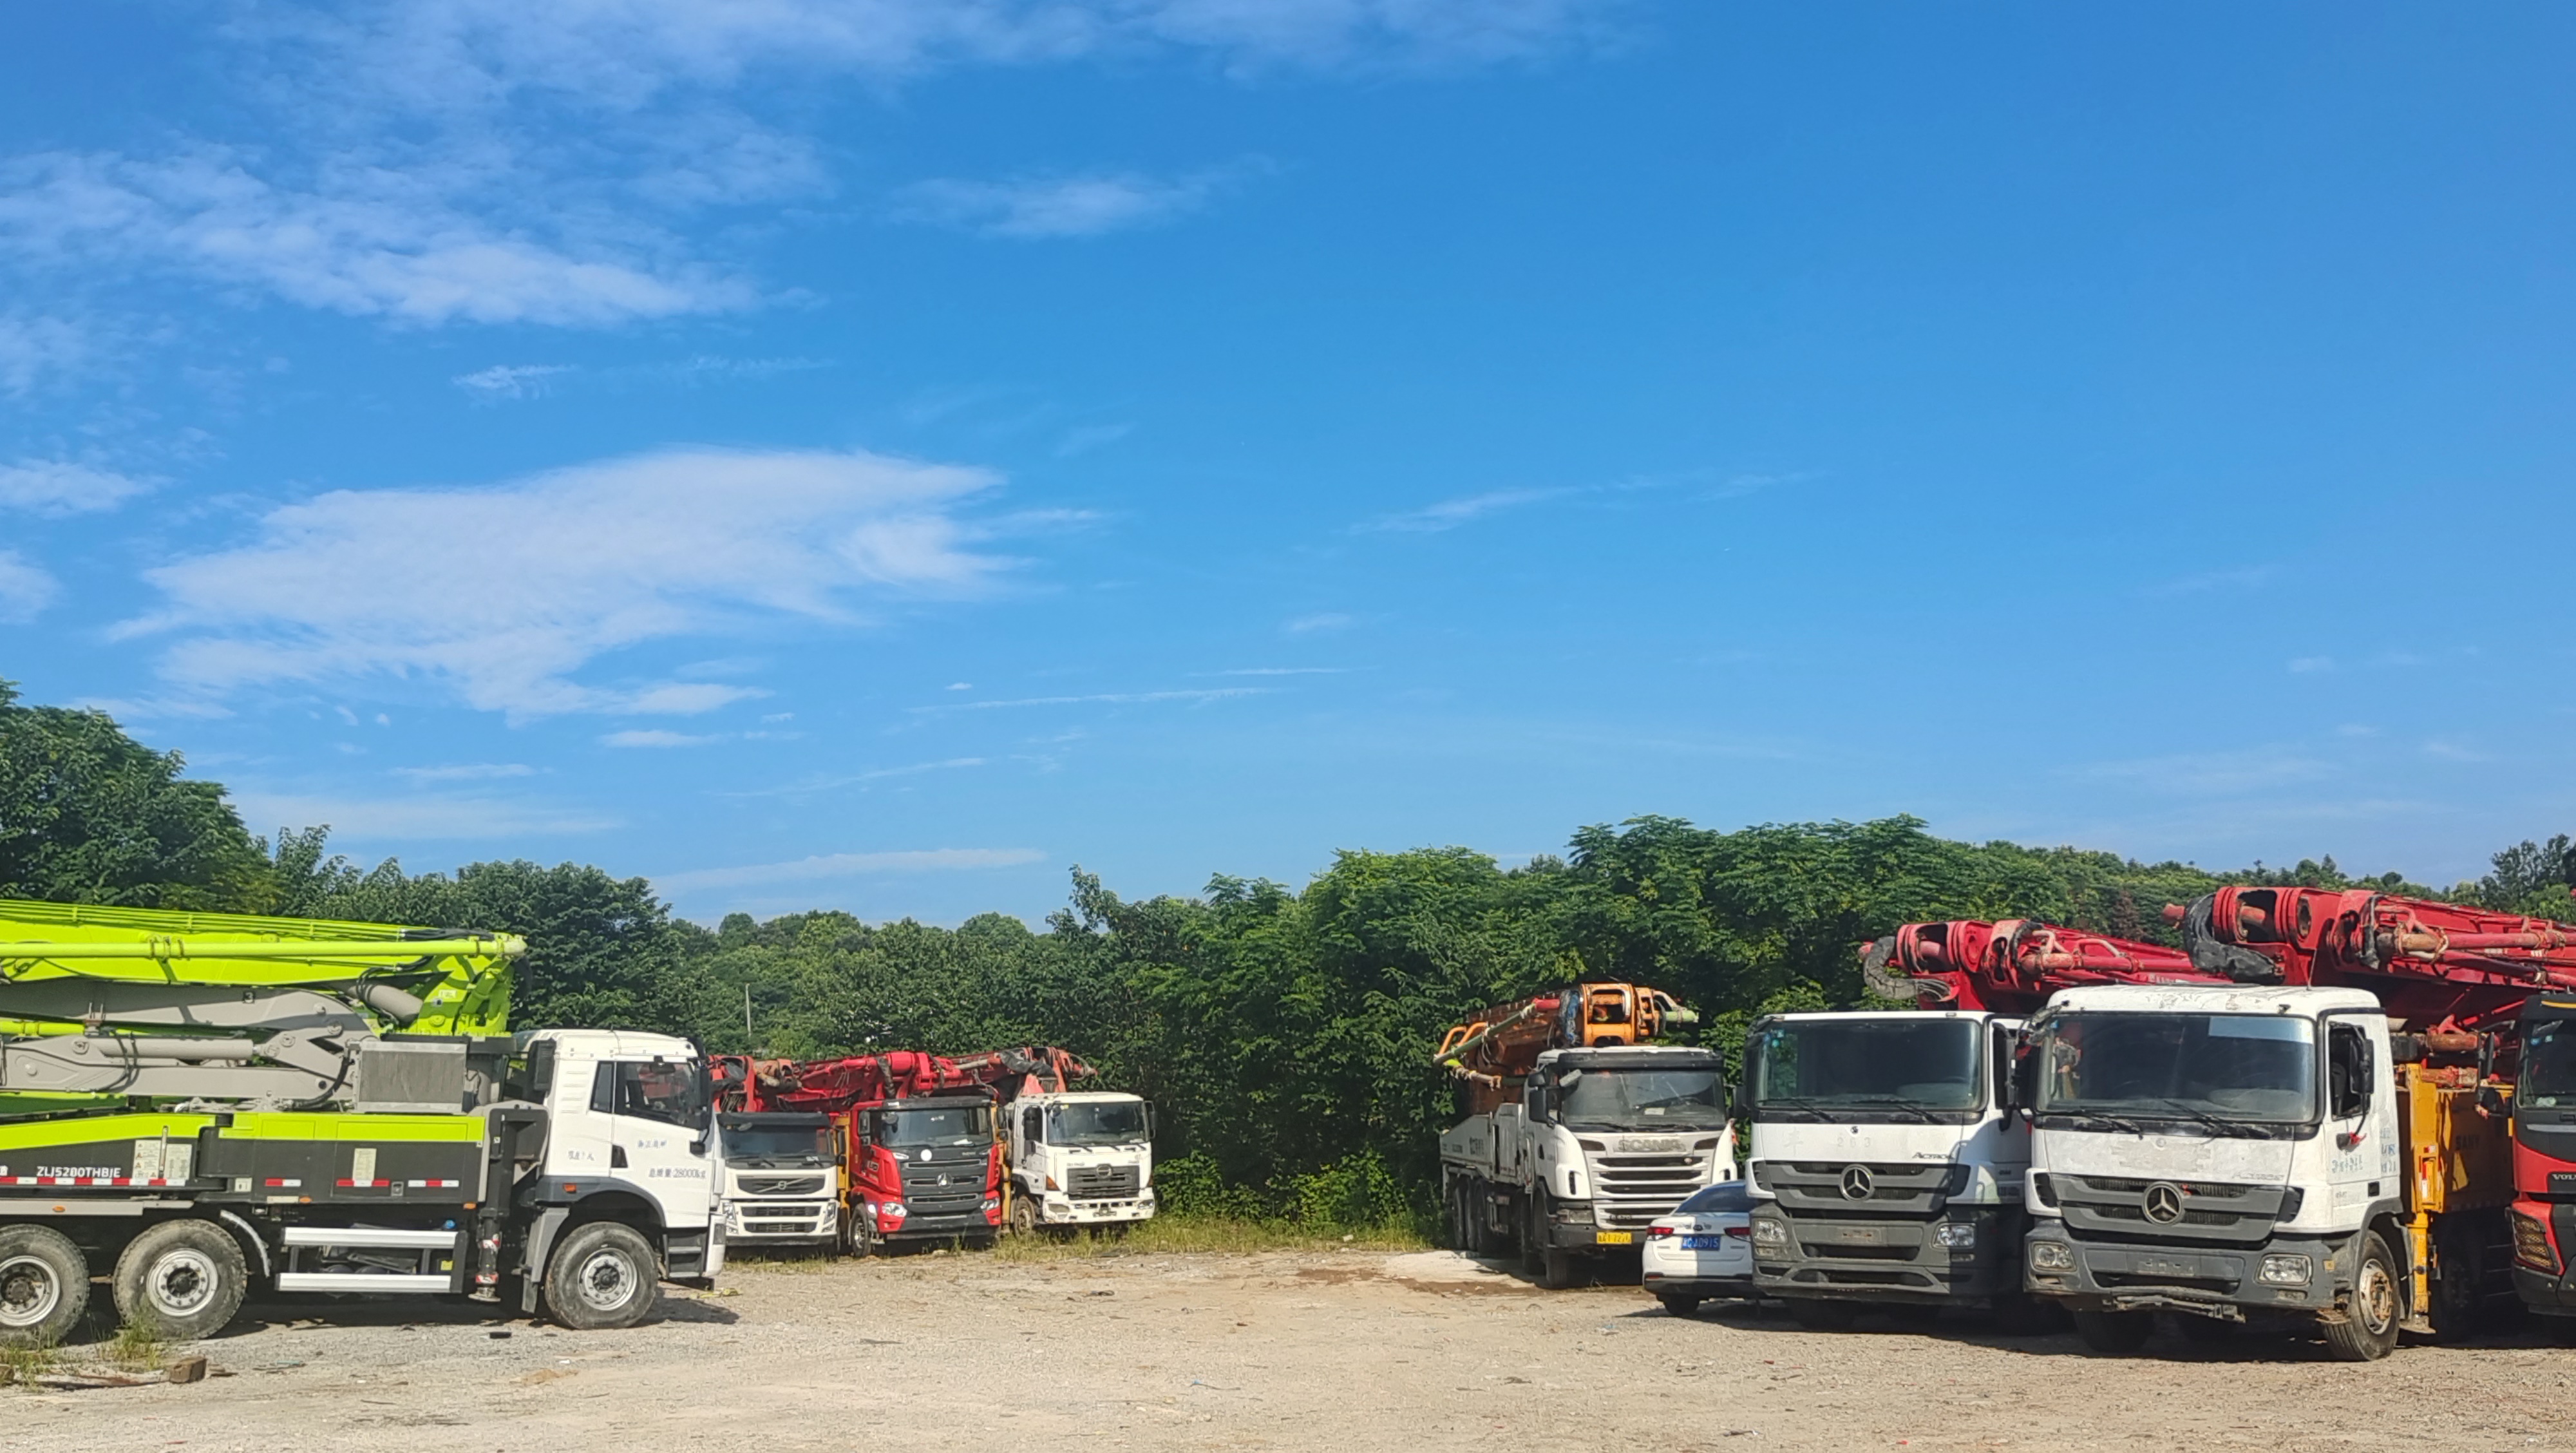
<point>44,1285</point>
<point>603,1275</point>
<point>2115,1334</point>
<point>2459,1279</point>
<point>185,1279</point>
<point>1453,1218</point>
<point>1679,1305</point>
<point>1024,1216</point>
<point>2019,1314</point>
<point>2370,1332</point>
<point>1817,1315</point>
<point>1555,1268</point>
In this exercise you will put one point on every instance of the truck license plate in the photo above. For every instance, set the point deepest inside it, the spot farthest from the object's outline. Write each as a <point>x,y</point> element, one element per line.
<point>1613,1238</point>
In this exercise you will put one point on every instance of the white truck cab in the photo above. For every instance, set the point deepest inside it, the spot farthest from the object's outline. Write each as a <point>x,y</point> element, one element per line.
<point>782,1178</point>
<point>2229,1153</point>
<point>1884,1160</point>
<point>1079,1158</point>
<point>628,1142</point>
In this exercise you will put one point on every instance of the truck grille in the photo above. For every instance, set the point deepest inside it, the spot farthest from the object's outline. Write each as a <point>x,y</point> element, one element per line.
<point>797,1218</point>
<point>2116,1208</point>
<point>1893,1189</point>
<point>945,1186</point>
<point>1632,1190</point>
<point>779,1185</point>
<point>1102,1182</point>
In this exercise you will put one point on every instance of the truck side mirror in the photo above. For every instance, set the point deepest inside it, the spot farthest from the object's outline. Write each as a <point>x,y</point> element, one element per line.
<point>1739,1100</point>
<point>2022,1084</point>
<point>2491,1101</point>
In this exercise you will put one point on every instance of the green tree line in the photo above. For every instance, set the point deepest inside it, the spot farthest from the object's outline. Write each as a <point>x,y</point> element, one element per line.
<point>1284,1033</point>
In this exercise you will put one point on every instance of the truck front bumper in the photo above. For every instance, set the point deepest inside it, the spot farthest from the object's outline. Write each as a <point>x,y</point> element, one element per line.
<point>1061,1210</point>
<point>2223,1282</point>
<point>779,1223</point>
<point>2545,1228</point>
<point>1967,1253</point>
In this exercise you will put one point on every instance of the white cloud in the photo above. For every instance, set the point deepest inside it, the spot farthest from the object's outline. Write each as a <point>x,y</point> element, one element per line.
<point>1116,698</point>
<point>31,348</point>
<point>1286,671</point>
<point>654,739</point>
<point>510,381</point>
<point>1330,620</point>
<point>396,818</point>
<point>1449,514</point>
<point>2309,665</point>
<point>559,568</point>
<point>25,588</point>
<point>467,772</point>
<point>1032,208</point>
<point>849,865</point>
<point>58,487</point>
<point>368,238</point>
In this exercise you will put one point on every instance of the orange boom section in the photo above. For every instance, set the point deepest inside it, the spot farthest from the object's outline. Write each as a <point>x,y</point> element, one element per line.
<point>1492,1051</point>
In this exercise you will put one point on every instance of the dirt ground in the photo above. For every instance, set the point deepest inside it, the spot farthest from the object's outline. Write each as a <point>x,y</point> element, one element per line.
<point>1342,1351</point>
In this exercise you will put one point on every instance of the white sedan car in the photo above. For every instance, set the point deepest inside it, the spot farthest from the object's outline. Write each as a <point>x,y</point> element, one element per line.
<point>1703,1249</point>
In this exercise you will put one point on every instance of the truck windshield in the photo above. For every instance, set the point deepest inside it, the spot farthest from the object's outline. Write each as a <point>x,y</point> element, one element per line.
<point>2258,1069</point>
<point>1866,1068</point>
<point>778,1145</point>
<point>1641,1099</point>
<point>2548,1078</point>
<point>1098,1122</point>
<point>934,1125</point>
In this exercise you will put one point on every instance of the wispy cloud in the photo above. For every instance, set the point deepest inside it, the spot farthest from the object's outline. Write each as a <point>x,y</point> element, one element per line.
<point>467,772</point>
<point>656,738</point>
<point>1286,671</point>
<point>849,865</point>
<point>59,487</point>
<point>586,560</point>
<point>2226,772</point>
<point>2243,577</point>
<point>1113,698</point>
<point>1329,620</point>
<point>1449,514</point>
<point>2310,665</point>
<point>853,779</point>
<point>392,819</point>
<point>1081,441</point>
<point>1085,205</point>
<point>510,381</point>
<point>35,348</point>
<point>25,588</point>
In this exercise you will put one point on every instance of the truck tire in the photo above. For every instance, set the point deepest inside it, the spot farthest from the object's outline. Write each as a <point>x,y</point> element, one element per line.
<point>184,1279</point>
<point>603,1275</point>
<point>1024,1216</point>
<point>1679,1305</point>
<point>2019,1314</point>
<point>1555,1268</point>
<point>2115,1334</point>
<point>2369,1333</point>
<point>2459,1278</point>
<point>44,1286</point>
<point>1818,1315</point>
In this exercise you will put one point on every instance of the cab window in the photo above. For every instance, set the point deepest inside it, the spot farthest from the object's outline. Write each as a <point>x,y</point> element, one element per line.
<point>646,1091</point>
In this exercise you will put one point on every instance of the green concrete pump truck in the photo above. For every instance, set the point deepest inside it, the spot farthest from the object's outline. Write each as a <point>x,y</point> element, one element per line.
<point>202,1106</point>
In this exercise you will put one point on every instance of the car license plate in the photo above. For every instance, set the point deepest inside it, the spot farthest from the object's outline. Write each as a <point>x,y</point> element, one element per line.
<point>1703,1243</point>
<point>1613,1238</point>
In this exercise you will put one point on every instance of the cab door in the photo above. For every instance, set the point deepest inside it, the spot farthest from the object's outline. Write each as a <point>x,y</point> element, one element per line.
<point>2360,1119</point>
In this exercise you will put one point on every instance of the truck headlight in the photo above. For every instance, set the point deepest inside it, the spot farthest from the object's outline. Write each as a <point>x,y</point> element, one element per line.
<point>1770,1233</point>
<point>1572,1213</point>
<point>2051,1256</point>
<point>2533,1246</point>
<point>2281,1270</point>
<point>1954,1235</point>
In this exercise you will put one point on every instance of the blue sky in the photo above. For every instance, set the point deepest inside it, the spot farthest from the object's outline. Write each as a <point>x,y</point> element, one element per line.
<point>881,453</point>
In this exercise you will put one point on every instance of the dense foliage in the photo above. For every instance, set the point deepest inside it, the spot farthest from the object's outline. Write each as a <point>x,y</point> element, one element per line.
<point>1284,1034</point>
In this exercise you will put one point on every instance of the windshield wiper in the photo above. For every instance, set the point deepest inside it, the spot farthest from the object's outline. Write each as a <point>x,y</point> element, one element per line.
<point>2216,1125</point>
<point>2114,1121</point>
<point>1897,1103</point>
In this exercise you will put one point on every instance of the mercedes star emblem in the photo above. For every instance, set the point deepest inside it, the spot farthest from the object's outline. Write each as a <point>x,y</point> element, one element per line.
<point>1856,1183</point>
<point>2164,1203</point>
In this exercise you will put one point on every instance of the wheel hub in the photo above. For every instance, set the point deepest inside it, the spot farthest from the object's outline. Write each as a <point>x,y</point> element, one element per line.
<point>182,1283</point>
<point>605,1283</point>
<point>29,1292</point>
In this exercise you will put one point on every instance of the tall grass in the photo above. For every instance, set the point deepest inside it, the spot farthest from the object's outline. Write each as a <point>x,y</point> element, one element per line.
<point>1204,1234</point>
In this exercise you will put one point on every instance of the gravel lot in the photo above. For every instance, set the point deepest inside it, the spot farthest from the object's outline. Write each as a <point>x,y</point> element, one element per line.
<point>1343,1351</point>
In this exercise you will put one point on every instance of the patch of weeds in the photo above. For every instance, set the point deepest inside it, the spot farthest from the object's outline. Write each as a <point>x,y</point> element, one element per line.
<point>1208,1234</point>
<point>138,1346</point>
<point>22,1362</point>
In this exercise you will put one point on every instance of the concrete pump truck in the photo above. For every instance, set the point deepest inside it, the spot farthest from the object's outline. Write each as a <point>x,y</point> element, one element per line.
<point>1579,1131</point>
<point>2319,1141</point>
<point>208,1105</point>
<point>1885,1159</point>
